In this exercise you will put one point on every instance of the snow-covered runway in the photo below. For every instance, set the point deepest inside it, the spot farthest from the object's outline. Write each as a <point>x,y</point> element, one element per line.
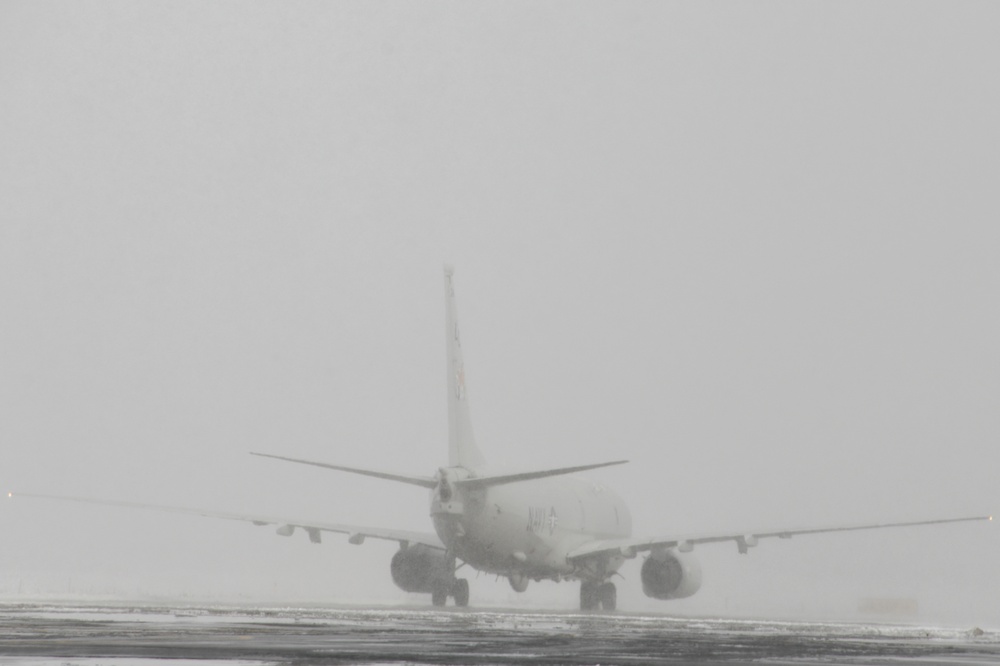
<point>123,635</point>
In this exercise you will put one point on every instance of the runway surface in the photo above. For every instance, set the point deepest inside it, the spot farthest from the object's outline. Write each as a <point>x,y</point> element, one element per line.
<point>109,635</point>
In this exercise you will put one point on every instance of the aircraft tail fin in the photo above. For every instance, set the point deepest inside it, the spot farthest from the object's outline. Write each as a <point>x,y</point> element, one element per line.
<point>462,449</point>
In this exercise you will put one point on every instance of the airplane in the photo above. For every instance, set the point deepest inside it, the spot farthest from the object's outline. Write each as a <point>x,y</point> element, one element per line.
<point>525,526</point>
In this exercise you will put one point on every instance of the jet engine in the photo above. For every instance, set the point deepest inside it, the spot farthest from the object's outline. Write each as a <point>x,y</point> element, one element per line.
<point>668,574</point>
<point>421,568</point>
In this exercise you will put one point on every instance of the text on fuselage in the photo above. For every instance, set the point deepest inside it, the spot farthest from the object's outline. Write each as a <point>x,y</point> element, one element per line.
<point>542,520</point>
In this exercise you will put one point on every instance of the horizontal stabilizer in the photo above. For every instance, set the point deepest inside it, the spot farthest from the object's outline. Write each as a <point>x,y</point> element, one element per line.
<point>423,481</point>
<point>499,480</point>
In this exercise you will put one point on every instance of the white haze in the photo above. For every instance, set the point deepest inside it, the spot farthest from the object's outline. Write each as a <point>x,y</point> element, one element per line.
<point>750,247</point>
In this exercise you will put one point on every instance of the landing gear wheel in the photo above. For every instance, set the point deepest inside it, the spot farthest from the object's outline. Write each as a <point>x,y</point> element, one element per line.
<point>608,594</point>
<point>461,592</point>
<point>439,597</point>
<point>589,598</point>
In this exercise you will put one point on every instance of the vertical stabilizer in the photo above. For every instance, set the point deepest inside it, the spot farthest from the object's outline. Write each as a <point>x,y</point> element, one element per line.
<point>462,450</point>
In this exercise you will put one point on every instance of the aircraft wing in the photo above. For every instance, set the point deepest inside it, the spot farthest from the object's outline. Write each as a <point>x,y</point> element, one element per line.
<point>286,526</point>
<point>743,540</point>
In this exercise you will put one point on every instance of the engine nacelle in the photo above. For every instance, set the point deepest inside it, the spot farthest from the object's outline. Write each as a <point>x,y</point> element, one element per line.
<point>421,568</point>
<point>669,574</point>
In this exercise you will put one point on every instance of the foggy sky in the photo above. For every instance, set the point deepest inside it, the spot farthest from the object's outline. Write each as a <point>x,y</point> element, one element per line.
<point>750,247</point>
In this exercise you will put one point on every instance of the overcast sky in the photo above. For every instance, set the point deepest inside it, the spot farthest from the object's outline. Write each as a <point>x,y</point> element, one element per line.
<point>751,247</point>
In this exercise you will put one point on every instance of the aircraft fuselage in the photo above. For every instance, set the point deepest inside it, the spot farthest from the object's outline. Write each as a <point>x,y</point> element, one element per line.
<point>527,528</point>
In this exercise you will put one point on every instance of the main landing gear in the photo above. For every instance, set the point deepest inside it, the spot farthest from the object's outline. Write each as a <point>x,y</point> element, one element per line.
<point>598,596</point>
<point>459,590</point>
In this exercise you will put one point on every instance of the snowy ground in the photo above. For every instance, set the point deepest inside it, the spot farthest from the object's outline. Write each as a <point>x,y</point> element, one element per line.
<point>129,635</point>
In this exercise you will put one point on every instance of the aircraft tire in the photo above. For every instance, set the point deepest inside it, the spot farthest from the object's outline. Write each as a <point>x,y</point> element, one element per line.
<point>439,597</point>
<point>589,596</point>
<point>608,594</point>
<point>461,592</point>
